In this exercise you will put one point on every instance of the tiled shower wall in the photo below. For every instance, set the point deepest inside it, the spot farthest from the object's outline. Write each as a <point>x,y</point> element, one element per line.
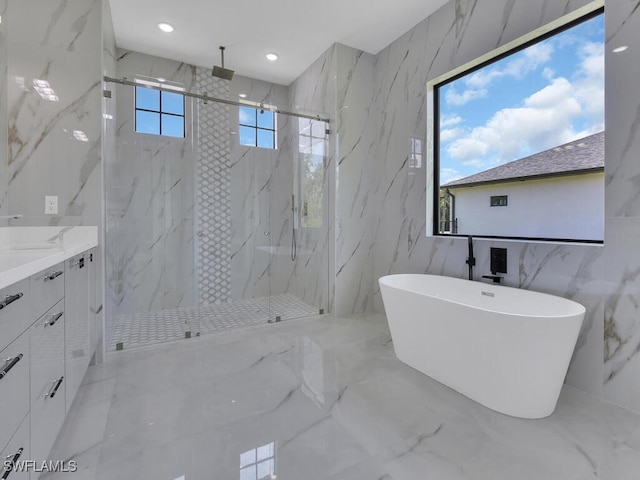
<point>149,187</point>
<point>243,230</point>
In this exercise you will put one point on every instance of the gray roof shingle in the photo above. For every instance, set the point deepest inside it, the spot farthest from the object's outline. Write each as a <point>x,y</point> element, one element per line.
<point>580,156</point>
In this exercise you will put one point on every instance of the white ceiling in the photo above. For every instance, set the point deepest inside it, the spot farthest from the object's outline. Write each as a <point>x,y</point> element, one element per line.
<point>299,31</point>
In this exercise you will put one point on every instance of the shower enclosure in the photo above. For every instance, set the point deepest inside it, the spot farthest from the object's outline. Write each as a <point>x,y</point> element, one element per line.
<point>204,234</point>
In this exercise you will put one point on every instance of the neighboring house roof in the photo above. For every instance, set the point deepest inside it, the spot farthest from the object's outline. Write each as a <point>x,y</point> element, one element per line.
<point>585,155</point>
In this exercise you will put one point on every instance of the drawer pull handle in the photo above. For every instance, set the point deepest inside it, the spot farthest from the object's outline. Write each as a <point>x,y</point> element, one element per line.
<point>79,263</point>
<point>52,276</point>
<point>54,388</point>
<point>9,364</point>
<point>9,299</point>
<point>54,319</point>
<point>12,463</point>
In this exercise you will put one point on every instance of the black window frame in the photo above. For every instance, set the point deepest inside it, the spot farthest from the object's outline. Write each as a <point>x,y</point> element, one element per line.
<point>256,128</point>
<point>497,201</point>
<point>436,133</point>
<point>160,112</point>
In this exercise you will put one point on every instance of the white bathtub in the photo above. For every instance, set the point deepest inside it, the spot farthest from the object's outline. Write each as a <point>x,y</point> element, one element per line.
<point>506,348</point>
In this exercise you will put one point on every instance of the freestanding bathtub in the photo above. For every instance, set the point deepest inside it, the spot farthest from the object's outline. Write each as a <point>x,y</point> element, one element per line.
<point>506,348</point>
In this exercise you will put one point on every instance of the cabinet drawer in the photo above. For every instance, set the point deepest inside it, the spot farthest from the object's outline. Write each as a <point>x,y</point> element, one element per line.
<point>17,451</point>
<point>46,338</point>
<point>14,386</point>
<point>15,314</point>
<point>46,288</point>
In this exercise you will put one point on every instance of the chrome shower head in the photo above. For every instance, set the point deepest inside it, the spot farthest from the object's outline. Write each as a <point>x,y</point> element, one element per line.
<point>222,72</point>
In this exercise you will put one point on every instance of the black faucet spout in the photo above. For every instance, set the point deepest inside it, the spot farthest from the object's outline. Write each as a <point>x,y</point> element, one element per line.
<point>471,261</point>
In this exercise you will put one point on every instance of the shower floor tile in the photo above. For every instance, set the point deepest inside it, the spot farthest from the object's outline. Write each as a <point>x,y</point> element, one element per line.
<point>142,329</point>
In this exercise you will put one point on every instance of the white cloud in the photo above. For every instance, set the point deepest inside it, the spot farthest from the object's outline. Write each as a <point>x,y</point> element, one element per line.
<point>527,61</point>
<point>245,117</point>
<point>588,86</point>
<point>482,78</point>
<point>478,82</point>
<point>448,175</point>
<point>542,122</point>
<point>564,110</point>
<point>450,120</point>
<point>452,97</point>
<point>449,134</point>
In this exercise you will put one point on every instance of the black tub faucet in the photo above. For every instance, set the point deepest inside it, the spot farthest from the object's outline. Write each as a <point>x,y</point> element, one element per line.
<point>471,261</point>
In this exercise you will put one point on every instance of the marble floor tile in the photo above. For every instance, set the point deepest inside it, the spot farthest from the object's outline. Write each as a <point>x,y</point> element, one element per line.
<point>326,399</point>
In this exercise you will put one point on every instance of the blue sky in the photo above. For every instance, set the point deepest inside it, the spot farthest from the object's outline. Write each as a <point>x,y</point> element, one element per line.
<point>543,96</point>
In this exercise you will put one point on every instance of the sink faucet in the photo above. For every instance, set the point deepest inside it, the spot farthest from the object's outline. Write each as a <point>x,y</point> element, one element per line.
<point>471,261</point>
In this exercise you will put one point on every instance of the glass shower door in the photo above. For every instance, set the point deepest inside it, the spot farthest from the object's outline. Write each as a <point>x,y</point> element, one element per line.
<point>149,235</point>
<point>233,247</point>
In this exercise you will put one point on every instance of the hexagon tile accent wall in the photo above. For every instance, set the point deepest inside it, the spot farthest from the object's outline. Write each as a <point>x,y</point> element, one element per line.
<point>213,201</point>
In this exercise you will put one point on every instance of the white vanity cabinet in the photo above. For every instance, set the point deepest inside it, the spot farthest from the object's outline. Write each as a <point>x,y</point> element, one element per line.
<point>76,337</point>
<point>44,353</point>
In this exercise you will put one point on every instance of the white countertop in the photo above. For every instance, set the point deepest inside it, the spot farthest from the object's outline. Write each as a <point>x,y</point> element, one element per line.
<point>28,250</point>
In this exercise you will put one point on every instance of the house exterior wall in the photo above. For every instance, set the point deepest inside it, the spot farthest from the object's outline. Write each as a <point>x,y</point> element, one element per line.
<point>568,207</point>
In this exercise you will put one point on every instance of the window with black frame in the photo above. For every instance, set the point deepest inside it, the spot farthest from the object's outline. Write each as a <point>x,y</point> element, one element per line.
<point>159,112</point>
<point>526,125</point>
<point>257,127</point>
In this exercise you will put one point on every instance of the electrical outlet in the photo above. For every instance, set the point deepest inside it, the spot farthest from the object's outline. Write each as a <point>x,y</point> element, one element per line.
<point>51,204</point>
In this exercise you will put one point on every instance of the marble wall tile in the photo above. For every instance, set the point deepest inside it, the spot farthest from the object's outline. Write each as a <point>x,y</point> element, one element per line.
<point>622,97</point>
<point>622,206</point>
<point>315,92</point>
<point>4,128</point>
<point>622,312</point>
<point>54,145</point>
<point>70,25</point>
<point>261,187</point>
<point>356,187</point>
<point>149,187</point>
<point>262,184</point>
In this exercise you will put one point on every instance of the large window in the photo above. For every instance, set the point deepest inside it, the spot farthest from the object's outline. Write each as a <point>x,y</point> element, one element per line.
<point>159,112</point>
<point>257,127</point>
<point>526,124</point>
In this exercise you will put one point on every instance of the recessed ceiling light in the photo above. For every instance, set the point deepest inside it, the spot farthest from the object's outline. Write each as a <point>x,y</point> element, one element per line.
<point>272,56</point>
<point>242,95</point>
<point>620,49</point>
<point>165,27</point>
